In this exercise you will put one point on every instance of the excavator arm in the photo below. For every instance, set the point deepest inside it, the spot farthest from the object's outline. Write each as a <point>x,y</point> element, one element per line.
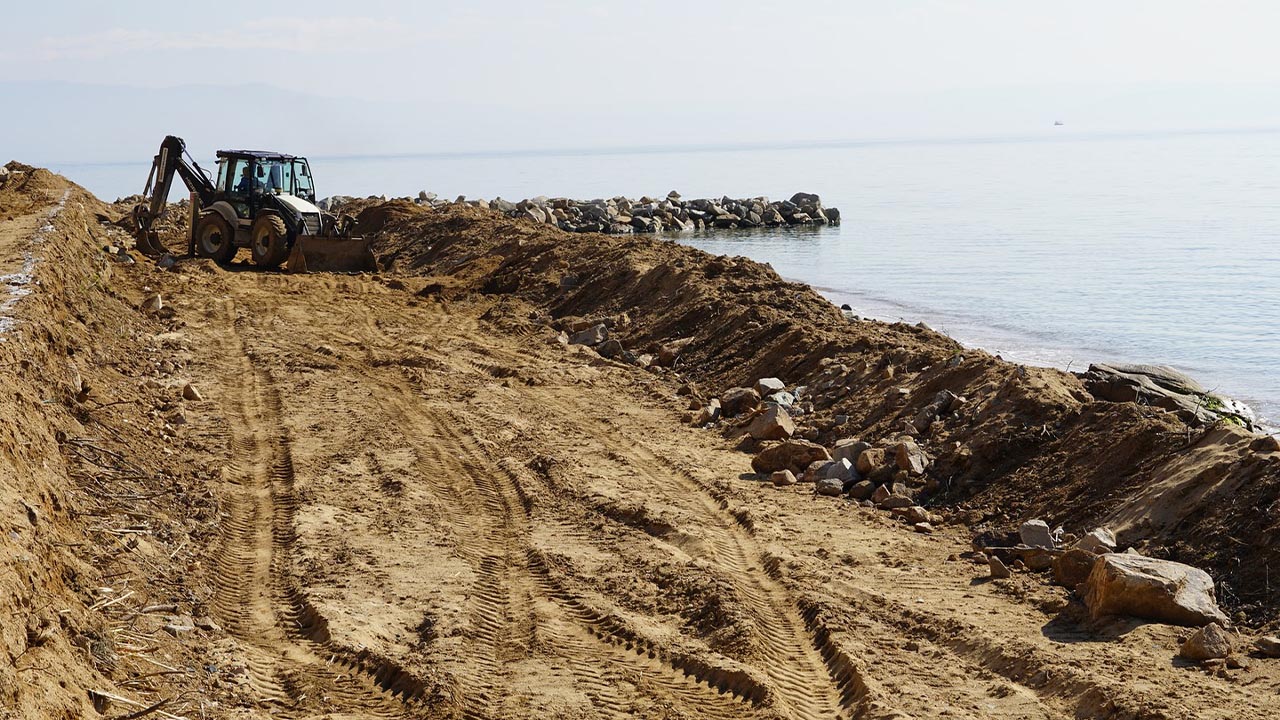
<point>172,159</point>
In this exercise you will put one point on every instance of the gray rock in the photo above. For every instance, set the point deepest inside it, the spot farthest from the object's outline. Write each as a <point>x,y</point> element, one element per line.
<point>1208,643</point>
<point>784,399</point>
<point>593,335</point>
<point>1036,534</point>
<point>1124,584</point>
<point>849,449</point>
<point>768,386</point>
<point>830,486</point>
<point>911,458</point>
<point>1162,387</point>
<point>841,470</point>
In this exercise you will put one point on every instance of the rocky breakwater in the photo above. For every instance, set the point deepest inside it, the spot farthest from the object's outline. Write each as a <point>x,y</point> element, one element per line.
<point>621,215</point>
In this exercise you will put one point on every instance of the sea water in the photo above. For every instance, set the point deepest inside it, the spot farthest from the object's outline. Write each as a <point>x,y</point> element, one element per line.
<point>1059,249</point>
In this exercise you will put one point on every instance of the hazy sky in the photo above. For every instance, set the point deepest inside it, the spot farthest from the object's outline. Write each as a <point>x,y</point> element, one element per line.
<point>568,73</point>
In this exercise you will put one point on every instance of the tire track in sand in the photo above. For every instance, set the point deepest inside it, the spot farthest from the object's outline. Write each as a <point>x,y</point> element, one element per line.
<point>807,683</point>
<point>291,658</point>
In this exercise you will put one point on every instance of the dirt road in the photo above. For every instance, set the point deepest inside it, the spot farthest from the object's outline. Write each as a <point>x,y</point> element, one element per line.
<point>399,505</point>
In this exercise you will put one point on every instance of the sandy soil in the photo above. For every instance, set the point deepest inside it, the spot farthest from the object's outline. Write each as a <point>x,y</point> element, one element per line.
<point>391,500</point>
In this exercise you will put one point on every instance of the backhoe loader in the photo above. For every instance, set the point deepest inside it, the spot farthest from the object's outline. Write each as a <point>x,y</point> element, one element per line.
<point>264,201</point>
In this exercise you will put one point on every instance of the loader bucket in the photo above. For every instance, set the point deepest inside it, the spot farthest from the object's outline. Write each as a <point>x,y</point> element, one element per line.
<point>316,253</point>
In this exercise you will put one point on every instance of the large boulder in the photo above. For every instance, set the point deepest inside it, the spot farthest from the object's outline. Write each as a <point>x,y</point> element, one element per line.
<point>1123,584</point>
<point>793,455</point>
<point>772,424</point>
<point>1162,387</point>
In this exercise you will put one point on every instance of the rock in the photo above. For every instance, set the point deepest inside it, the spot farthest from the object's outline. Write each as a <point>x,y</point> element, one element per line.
<point>772,424</point>
<point>594,335</point>
<point>862,490</point>
<point>849,449</point>
<point>707,413</point>
<point>999,571</point>
<point>1036,558</point>
<point>784,398</point>
<point>783,478</point>
<point>190,392</point>
<point>1265,444</point>
<point>768,386</point>
<point>1208,643</point>
<point>1073,567</point>
<point>611,349</point>
<point>152,305</point>
<point>1124,584</point>
<point>736,401</point>
<point>880,494</point>
<point>1036,534</point>
<point>207,624</point>
<point>802,199</point>
<point>179,626</point>
<point>911,458</point>
<point>895,501</point>
<point>1162,387</point>
<point>923,528</point>
<point>870,460</point>
<point>830,487</point>
<point>668,354</point>
<point>1098,541</point>
<point>913,514</point>
<point>1268,646</point>
<point>841,470</point>
<point>793,455</point>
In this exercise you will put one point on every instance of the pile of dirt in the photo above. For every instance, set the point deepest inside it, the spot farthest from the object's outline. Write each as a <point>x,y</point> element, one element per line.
<point>1025,442</point>
<point>103,520</point>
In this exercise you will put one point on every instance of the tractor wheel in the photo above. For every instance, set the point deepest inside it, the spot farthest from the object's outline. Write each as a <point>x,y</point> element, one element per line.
<point>269,241</point>
<point>215,239</point>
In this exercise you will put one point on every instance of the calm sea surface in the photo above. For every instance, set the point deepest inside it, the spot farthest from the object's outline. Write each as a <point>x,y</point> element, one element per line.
<point>1059,250</point>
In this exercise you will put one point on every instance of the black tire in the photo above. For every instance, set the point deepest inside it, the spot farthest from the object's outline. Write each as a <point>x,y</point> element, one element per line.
<point>215,239</point>
<point>269,241</point>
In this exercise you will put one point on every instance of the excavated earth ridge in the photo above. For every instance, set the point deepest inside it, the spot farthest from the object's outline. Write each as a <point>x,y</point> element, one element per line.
<point>237,494</point>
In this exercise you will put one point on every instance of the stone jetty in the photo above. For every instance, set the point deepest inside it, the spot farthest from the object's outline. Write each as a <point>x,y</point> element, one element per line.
<point>622,215</point>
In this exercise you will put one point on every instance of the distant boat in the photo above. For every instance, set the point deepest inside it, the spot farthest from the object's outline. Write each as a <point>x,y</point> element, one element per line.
<point>1057,123</point>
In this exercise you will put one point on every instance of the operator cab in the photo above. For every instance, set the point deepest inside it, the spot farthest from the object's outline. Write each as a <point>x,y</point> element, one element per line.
<point>245,177</point>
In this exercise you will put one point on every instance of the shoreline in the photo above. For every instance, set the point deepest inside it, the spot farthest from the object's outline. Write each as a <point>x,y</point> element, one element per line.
<point>1037,356</point>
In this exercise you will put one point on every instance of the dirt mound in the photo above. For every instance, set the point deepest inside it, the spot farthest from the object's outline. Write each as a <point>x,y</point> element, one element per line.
<point>96,555</point>
<point>1024,442</point>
